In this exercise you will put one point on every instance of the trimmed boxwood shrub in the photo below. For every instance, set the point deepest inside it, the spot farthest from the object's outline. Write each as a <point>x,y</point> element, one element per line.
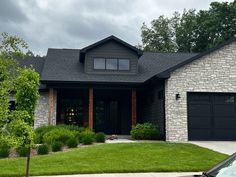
<point>100,137</point>
<point>72,143</point>
<point>43,149</point>
<point>59,134</point>
<point>4,151</point>
<point>146,131</point>
<point>57,146</point>
<point>22,151</point>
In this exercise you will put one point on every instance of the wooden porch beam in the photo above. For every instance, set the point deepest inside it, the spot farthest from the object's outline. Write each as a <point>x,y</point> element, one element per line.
<point>134,107</point>
<point>91,108</point>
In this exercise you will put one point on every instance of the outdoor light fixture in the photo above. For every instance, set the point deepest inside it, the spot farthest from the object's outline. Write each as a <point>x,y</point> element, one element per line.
<point>177,96</point>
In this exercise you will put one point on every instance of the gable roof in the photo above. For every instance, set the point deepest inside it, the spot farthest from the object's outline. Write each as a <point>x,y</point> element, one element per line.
<point>62,65</point>
<point>36,62</point>
<point>110,38</point>
<point>200,55</point>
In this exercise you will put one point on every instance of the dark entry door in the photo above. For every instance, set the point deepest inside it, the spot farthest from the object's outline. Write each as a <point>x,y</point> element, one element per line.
<point>106,116</point>
<point>211,116</point>
<point>73,111</point>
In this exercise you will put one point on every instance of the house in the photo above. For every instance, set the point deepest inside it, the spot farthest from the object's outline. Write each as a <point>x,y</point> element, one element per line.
<point>110,86</point>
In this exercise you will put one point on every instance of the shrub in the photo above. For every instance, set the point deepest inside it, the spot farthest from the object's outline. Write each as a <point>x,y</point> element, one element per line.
<point>146,131</point>
<point>22,151</point>
<point>100,137</point>
<point>43,149</point>
<point>72,143</point>
<point>87,139</point>
<point>41,131</point>
<point>57,146</point>
<point>71,127</point>
<point>86,132</point>
<point>58,134</point>
<point>4,151</point>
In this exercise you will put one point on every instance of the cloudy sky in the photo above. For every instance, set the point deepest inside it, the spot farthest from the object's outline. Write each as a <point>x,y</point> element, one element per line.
<point>77,23</point>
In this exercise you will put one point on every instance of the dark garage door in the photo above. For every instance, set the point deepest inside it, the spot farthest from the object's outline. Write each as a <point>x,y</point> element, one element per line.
<point>211,116</point>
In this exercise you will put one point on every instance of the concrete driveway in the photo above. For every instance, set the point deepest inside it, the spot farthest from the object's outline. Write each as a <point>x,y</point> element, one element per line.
<point>131,175</point>
<point>226,147</point>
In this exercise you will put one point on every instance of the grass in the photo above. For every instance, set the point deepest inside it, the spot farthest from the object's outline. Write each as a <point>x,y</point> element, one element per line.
<point>124,157</point>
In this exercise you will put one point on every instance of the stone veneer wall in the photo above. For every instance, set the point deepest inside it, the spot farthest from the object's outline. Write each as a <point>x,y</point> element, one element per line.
<point>42,110</point>
<point>214,72</point>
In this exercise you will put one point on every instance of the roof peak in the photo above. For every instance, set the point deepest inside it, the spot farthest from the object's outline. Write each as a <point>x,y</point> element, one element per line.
<point>109,38</point>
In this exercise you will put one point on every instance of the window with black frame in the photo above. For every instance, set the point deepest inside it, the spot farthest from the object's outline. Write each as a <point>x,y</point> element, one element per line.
<point>120,64</point>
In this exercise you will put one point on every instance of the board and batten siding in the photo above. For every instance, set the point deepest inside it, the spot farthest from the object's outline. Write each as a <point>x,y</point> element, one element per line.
<point>111,49</point>
<point>151,107</point>
<point>214,72</point>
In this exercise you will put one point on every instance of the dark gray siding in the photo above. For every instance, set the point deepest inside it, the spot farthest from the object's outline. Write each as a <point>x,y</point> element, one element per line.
<point>151,107</point>
<point>111,49</point>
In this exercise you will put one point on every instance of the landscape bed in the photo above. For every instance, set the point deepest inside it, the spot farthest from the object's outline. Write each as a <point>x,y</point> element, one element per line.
<point>119,157</point>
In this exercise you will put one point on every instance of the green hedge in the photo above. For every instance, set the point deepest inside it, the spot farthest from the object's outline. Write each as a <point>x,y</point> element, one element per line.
<point>146,131</point>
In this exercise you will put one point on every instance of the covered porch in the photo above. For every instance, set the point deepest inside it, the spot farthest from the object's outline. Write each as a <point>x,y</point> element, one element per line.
<point>108,110</point>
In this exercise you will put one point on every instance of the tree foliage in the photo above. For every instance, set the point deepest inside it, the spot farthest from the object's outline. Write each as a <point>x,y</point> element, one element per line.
<point>191,31</point>
<point>16,126</point>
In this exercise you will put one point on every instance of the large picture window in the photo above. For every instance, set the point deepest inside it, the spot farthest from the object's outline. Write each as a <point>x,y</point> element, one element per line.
<point>111,64</point>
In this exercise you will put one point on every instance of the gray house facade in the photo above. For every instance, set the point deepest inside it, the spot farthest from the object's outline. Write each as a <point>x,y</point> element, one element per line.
<point>111,86</point>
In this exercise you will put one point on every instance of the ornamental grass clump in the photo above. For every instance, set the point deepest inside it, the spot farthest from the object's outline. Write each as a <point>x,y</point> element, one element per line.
<point>22,151</point>
<point>72,143</point>
<point>100,137</point>
<point>43,149</point>
<point>4,151</point>
<point>57,146</point>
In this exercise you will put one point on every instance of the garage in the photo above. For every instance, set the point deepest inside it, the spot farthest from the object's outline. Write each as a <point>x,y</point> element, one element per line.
<point>211,116</point>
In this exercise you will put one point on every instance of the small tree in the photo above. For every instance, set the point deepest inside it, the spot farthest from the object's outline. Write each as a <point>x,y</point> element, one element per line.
<point>16,127</point>
<point>27,84</point>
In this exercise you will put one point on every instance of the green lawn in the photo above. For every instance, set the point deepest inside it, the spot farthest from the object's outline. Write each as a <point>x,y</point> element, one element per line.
<point>132,157</point>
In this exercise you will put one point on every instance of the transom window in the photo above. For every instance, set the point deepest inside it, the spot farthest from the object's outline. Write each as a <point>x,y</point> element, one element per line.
<point>111,64</point>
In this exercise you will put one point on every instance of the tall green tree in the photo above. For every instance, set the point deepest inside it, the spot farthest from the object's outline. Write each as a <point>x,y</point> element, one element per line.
<point>191,31</point>
<point>160,37</point>
<point>16,126</point>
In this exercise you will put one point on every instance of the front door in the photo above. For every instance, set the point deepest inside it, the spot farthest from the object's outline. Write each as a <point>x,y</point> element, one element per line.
<point>73,111</point>
<point>106,116</point>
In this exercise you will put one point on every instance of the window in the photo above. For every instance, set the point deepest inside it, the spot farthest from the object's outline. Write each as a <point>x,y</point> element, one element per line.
<point>123,64</point>
<point>99,63</point>
<point>111,64</point>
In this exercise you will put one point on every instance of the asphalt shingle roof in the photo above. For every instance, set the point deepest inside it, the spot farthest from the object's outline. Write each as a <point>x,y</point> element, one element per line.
<point>36,62</point>
<point>63,65</point>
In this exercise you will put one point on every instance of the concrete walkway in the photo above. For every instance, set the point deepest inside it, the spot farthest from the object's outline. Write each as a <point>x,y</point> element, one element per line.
<point>131,175</point>
<point>226,147</point>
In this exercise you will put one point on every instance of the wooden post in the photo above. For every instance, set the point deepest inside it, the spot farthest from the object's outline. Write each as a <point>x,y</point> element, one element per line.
<point>50,106</point>
<point>91,108</point>
<point>134,107</point>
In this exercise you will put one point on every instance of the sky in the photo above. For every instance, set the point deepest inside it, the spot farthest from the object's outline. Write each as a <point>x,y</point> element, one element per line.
<point>47,24</point>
